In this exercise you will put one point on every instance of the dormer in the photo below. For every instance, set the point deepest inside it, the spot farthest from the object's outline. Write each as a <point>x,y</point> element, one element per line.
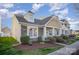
<point>29,16</point>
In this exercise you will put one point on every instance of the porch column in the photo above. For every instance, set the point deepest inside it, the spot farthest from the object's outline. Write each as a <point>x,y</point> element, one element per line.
<point>60,32</point>
<point>37,31</point>
<point>64,32</point>
<point>27,31</point>
<point>44,33</point>
<point>52,31</point>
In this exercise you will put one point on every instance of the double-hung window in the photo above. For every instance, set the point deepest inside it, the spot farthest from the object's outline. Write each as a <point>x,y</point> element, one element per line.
<point>56,31</point>
<point>32,32</point>
<point>49,32</point>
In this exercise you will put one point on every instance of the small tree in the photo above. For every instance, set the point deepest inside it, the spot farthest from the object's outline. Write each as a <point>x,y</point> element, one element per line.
<point>25,39</point>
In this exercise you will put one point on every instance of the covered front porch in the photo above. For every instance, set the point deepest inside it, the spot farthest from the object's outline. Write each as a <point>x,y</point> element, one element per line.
<point>45,32</point>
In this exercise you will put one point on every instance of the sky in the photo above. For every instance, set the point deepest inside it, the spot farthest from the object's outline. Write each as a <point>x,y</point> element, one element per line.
<point>64,11</point>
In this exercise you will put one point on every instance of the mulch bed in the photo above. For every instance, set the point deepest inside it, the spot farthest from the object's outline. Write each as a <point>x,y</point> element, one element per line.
<point>35,46</point>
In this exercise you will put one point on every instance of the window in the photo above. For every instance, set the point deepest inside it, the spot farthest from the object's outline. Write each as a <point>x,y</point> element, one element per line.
<point>49,32</point>
<point>66,32</point>
<point>33,32</point>
<point>56,31</point>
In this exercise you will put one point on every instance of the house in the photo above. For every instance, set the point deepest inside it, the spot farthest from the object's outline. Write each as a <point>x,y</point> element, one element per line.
<point>65,27</point>
<point>34,28</point>
<point>75,32</point>
<point>1,33</point>
<point>0,27</point>
<point>6,31</point>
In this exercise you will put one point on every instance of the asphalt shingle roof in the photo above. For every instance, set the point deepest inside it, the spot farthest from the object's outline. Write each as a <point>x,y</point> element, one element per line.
<point>21,18</point>
<point>44,21</point>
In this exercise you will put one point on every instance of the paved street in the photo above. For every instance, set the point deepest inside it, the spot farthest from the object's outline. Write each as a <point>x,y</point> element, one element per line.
<point>67,50</point>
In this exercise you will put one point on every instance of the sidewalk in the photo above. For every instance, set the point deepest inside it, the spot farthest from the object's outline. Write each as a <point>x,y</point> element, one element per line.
<point>67,50</point>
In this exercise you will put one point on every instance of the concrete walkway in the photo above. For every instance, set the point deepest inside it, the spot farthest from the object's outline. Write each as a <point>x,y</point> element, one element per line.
<point>62,44</point>
<point>67,50</point>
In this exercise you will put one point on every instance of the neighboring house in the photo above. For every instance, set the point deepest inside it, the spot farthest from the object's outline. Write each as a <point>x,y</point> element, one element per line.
<point>1,33</point>
<point>0,25</point>
<point>65,27</point>
<point>34,28</point>
<point>6,31</point>
<point>75,32</point>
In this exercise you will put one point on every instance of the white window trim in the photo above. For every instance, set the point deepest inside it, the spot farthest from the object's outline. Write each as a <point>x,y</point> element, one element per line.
<point>48,34</point>
<point>33,36</point>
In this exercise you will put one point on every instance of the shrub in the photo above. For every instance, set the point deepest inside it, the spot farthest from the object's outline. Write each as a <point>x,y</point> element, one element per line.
<point>8,50</point>
<point>51,39</point>
<point>77,37</point>
<point>60,39</point>
<point>25,39</point>
<point>8,40</point>
<point>39,39</point>
<point>6,47</point>
<point>64,37</point>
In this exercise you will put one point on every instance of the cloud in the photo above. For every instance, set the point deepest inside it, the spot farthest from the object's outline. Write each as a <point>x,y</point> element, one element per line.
<point>4,9</point>
<point>36,7</point>
<point>59,9</point>
<point>68,18</point>
<point>57,6</point>
<point>18,12</point>
<point>61,13</point>
<point>6,5</point>
<point>74,23</point>
<point>4,12</point>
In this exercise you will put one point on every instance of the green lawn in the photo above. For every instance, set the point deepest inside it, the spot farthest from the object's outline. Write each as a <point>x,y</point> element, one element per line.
<point>72,41</point>
<point>40,51</point>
